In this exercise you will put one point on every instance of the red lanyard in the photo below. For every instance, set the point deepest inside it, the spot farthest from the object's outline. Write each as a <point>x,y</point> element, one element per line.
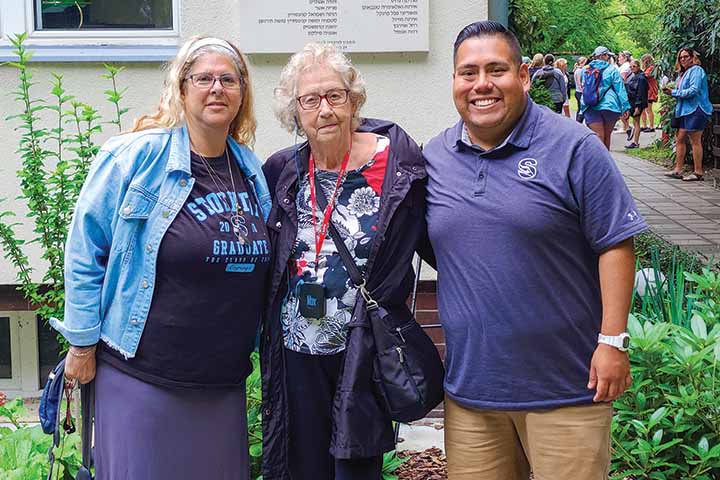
<point>327,214</point>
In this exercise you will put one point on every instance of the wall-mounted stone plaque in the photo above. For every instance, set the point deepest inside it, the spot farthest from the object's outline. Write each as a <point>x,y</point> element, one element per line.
<point>284,26</point>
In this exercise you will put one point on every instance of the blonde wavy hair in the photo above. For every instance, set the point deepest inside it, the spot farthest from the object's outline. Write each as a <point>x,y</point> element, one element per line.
<point>171,110</point>
<point>315,54</point>
<point>537,60</point>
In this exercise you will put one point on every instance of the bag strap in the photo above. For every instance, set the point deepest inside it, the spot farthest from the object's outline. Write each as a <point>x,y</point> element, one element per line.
<point>87,402</point>
<point>356,276</point>
<point>87,406</point>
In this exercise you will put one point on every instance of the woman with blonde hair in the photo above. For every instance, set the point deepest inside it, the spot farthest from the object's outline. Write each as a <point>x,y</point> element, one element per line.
<point>692,112</point>
<point>537,63</point>
<point>561,64</point>
<point>577,75</point>
<point>166,262</point>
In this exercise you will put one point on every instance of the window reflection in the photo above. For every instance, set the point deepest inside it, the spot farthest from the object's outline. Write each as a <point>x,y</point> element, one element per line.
<point>103,14</point>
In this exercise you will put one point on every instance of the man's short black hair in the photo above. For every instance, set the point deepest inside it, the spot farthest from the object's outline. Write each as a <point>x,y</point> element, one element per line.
<point>488,28</point>
<point>549,59</point>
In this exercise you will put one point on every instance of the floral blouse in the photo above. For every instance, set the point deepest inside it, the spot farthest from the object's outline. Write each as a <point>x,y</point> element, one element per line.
<point>355,216</point>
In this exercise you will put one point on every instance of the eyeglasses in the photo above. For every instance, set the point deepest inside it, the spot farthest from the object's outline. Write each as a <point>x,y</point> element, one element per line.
<point>682,57</point>
<point>205,80</point>
<point>334,97</point>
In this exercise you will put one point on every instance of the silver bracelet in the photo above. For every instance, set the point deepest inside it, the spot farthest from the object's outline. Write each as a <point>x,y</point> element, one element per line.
<point>91,350</point>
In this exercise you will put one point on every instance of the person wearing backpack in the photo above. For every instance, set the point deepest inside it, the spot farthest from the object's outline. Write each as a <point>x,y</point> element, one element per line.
<point>554,80</point>
<point>604,98</point>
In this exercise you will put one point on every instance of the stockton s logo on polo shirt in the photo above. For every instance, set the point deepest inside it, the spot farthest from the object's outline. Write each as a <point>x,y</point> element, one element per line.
<point>527,168</point>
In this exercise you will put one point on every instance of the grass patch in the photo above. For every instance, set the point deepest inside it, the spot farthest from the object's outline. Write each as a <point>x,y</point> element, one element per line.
<point>660,155</point>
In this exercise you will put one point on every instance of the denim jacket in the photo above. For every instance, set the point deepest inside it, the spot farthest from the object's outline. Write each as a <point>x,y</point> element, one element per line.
<point>135,188</point>
<point>692,92</point>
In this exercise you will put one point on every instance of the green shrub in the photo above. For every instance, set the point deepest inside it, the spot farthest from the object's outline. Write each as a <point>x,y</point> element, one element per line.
<point>541,95</point>
<point>24,449</point>
<point>55,161</point>
<point>667,425</point>
<point>669,255</point>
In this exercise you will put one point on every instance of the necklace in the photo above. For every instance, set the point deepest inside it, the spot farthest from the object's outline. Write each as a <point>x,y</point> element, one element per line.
<point>237,219</point>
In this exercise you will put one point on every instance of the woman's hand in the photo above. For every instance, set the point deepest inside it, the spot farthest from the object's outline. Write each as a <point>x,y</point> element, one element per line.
<point>80,364</point>
<point>667,91</point>
<point>626,114</point>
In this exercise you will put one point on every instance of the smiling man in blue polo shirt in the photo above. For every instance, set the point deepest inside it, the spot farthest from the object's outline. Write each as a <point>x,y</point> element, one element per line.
<point>532,226</point>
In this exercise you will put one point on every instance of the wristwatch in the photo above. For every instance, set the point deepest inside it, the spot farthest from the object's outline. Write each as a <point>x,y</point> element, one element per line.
<point>621,342</point>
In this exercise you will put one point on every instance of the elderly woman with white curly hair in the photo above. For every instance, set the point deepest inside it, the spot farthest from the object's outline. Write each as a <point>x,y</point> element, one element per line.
<point>322,418</point>
<point>165,276</point>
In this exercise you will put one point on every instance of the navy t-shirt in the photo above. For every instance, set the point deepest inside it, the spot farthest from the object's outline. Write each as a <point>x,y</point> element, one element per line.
<point>209,290</point>
<point>517,232</point>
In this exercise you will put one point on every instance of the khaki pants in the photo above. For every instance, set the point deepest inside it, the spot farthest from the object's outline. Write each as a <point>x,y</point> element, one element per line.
<point>568,443</point>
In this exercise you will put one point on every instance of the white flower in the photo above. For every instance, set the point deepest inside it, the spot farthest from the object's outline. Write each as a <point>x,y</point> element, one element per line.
<point>364,201</point>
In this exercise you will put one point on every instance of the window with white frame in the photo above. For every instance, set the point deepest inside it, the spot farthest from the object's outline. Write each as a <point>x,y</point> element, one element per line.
<point>92,30</point>
<point>29,350</point>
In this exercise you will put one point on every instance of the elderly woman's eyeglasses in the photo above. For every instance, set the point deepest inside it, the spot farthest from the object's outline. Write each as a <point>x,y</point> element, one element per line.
<point>334,97</point>
<point>206,81</point>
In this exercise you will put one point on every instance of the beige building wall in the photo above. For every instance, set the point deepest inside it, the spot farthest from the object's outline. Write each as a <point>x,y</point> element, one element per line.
<point>412,89</point>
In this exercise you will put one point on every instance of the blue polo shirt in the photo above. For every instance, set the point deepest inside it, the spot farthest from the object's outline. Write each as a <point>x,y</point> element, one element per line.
<point>517,231</point>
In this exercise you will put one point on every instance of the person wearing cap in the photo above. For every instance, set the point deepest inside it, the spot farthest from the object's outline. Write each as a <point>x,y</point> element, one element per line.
<point>532,235</point>
<point>613,103</point>
<point>165,274</point>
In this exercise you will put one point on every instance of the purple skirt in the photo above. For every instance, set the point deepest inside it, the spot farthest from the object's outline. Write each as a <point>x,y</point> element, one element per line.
<point>144,432</point>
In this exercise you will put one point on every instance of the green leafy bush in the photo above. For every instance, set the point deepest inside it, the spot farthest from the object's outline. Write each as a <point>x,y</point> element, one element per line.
<point>23,449</point>
<point>55,161</point>
<point>667,425</point>
<point>253,388</point>
<point>668,255</point>
<point>541,95</point>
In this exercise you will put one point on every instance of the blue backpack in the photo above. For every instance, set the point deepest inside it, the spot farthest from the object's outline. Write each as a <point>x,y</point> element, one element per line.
<point>592,80</point>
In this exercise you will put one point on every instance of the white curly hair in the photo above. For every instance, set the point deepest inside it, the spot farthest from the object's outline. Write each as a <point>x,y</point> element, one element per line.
<point>315,54</point>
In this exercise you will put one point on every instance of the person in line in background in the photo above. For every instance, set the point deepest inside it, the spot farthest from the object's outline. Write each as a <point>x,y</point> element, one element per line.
<point>693,112</point>
<point>536,64</point>
<point>561,64</point>
<point>613,102</point>
<point>554,80</point>
<point>165,273</point>
<point>532,227</point>
<point>577,75</point>
<point>325,421</point>
<point>637,90</point>
<point>623,65</point>
<point>650,70</point>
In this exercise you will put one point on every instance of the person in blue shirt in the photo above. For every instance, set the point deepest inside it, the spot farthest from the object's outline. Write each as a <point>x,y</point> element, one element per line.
<point>692,111</point>
<point>165,272</point>
<point>601,118</point>
<point>532,228</point>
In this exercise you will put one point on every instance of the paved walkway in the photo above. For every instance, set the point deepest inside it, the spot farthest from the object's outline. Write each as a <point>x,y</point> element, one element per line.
<point>686,214</point>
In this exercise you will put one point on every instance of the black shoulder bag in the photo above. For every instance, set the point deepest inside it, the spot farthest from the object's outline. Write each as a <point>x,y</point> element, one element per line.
<point>407,368</point>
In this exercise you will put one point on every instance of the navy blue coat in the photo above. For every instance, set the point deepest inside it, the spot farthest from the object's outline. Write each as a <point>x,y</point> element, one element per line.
<point>361,426</point>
